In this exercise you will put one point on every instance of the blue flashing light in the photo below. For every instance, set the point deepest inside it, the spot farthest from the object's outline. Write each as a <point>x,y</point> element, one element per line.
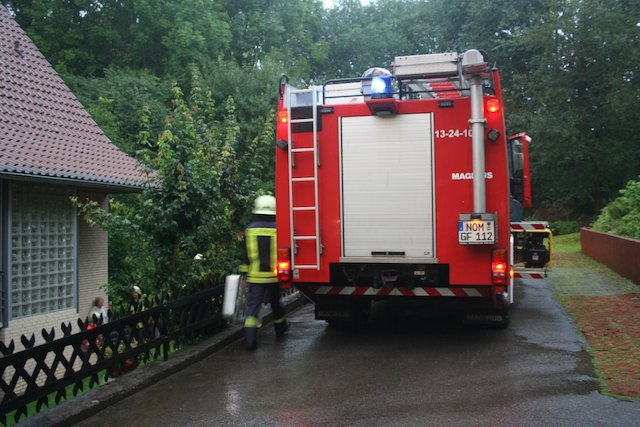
<point>381,87</point>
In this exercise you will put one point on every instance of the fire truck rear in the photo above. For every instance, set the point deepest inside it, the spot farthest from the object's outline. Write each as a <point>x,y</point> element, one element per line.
<point>401,185</point>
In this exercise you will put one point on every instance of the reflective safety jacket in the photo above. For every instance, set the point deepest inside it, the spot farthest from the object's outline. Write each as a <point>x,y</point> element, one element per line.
<point>260,257</point>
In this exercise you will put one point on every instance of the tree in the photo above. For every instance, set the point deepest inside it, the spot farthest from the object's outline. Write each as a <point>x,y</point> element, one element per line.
<point>195,202</point>
<point>576,94</point>
<point>199,33</point>
<point>191,203</point>
<point>77,36</point>
<point>120,116</point>
<point>570,72</point>
<point>360,37</point>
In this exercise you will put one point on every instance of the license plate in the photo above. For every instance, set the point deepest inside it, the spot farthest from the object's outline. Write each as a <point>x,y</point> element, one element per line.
<point>476,232</point>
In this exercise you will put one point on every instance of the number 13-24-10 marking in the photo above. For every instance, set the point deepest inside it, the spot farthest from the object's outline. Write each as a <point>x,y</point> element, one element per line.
<point>453,133</point>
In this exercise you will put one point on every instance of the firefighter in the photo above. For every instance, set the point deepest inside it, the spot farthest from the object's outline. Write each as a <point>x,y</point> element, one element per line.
<point>259,264</point>
<point>134,302</point>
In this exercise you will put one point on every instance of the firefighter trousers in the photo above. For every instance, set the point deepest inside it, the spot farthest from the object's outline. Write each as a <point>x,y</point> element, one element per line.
<point>256,296</point>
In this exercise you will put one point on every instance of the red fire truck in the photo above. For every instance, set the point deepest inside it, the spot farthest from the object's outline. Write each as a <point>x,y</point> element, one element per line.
<point>402,185</point>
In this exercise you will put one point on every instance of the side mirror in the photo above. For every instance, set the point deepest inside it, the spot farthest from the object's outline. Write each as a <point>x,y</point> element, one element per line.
<point>519,177</point>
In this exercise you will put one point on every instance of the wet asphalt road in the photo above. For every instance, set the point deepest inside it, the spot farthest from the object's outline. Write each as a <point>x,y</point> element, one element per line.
<point>397,371</point>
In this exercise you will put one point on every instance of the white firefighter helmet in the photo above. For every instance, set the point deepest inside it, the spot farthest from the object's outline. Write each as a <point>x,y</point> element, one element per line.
<point>265,205</point>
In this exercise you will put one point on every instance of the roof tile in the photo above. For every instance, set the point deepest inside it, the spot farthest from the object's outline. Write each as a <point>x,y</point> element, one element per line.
<point>44,130</point>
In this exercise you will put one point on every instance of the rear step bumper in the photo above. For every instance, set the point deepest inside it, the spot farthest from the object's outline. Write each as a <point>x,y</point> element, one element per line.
<point>449,291</point>
<point>530,273</point>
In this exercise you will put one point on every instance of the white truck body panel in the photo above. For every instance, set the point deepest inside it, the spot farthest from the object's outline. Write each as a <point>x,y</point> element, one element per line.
<point>383,211</point>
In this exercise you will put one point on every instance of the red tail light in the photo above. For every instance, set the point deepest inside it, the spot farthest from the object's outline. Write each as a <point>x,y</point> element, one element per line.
<point>493,105</point>
<point>282,117</point>
<point>284,265</point>
<point>282,126</point>
<point>499,267</point>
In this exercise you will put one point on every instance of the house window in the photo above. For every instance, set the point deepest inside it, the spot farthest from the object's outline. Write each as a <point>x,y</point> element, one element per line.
<point>42,248</point>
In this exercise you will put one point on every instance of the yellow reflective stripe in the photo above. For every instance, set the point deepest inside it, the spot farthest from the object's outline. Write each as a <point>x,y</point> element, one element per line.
<point>261,232</point>
<point>253,270</point>
<point>263,274</point>
<point>251,322</point>
<point>252,248</point>
<point>278,321</point>
<point>262,280</point>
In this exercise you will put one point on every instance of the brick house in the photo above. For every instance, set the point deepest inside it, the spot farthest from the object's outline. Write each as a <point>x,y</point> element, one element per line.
<point>53,264</point>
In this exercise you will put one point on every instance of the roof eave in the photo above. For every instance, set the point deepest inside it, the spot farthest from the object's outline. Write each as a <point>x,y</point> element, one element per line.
<point>108,186</point>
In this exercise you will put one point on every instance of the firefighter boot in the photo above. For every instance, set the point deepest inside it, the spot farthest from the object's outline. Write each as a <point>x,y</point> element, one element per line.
<point>251,338</point>
<point>281,327</point>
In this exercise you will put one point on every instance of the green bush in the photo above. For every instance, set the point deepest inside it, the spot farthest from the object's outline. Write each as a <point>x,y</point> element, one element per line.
<point>564,227</point>
<point>622,215</point>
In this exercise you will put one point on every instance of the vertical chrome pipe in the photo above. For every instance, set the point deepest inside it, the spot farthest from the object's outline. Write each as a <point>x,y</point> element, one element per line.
<point>477,122</point>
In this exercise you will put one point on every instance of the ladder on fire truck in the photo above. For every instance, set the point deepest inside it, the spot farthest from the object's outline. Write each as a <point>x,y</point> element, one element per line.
<point>293,96</point>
